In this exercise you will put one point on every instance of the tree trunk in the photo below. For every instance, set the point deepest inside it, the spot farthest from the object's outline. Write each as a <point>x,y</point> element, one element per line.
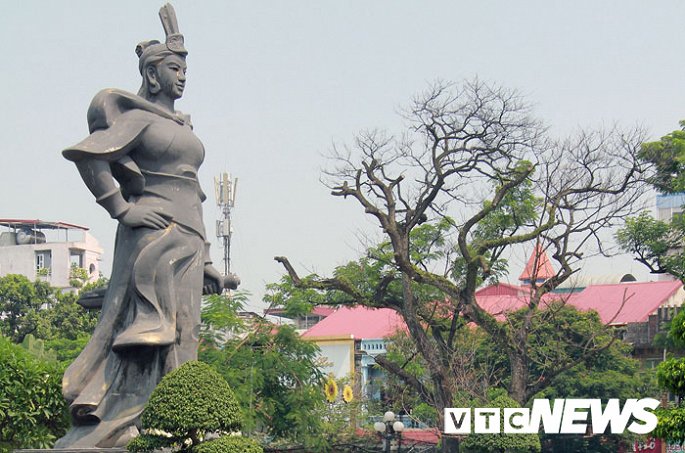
<point>444,399</point>
<point>519,377</point>
<point>450,444</point>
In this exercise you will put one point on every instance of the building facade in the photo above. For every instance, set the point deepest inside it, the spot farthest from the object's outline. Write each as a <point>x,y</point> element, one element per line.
<point>55,252</point>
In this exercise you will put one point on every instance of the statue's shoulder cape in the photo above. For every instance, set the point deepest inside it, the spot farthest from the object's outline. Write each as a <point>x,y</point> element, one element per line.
<point>116,121</point>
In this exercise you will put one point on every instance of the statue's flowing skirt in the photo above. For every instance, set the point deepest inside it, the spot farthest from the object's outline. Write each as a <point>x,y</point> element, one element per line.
<point>149,325</point>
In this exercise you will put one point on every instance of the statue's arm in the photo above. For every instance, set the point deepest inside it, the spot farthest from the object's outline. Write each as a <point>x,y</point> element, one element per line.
<point>97,175</point>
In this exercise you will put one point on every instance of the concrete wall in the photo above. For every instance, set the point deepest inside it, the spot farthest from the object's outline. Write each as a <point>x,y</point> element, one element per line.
<point>21,259</point>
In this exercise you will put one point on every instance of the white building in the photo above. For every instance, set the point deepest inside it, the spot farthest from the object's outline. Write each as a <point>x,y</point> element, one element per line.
<point>669,205</point>
<point>48,250</point>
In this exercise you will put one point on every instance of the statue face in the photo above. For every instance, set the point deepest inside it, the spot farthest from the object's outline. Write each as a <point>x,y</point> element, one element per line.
<point>171,73</point>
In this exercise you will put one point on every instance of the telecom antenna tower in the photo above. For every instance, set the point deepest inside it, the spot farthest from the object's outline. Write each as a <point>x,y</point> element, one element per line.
<point>225,188</point>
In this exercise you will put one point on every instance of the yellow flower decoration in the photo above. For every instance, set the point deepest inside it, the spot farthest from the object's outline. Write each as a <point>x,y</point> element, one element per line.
<point>331,390</point>
<point>348,394</point>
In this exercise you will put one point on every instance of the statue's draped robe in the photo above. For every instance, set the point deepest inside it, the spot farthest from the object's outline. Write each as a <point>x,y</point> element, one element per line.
<point>150,316</point>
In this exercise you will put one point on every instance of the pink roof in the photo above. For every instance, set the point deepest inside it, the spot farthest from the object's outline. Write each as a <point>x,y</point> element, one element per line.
<point>319,310</point>
<point>641,300</point>
<point>500,289</point>
<point>498,305</point>
<point>360,322</point>
<point>539,267</point>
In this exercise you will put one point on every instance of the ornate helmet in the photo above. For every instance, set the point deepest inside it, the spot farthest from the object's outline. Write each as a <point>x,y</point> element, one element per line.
<point>174,39</point>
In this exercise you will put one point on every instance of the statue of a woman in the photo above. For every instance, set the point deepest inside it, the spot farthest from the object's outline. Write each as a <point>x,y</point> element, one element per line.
<point>141,161</point>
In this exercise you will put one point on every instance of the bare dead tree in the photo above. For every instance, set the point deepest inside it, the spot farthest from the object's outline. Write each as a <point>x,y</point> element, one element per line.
<point>471,152</point>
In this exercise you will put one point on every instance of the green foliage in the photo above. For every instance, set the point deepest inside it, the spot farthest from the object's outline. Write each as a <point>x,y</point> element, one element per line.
<point>78,276</point>
<point>668,156</point>
<point>38,349</point>
<point>64,318</point>
<point>659,246</point>
<point>273,371</point>
<point>20,303</point>
<point>655,243</point>
<point>220,316</point>
<point>148,442</point>
<point>501,441</point>
<point>671,425</point>
<point>192,399</point>
<point>229,444</point>
<point>295,301</point>
<point>676,332</point>
<point>33,413</point>
<point>671,376</point>
<point>276,379</point>
<point>561,334</point>
<point>65,349</point>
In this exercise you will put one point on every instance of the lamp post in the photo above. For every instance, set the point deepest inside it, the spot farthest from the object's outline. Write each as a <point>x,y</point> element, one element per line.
<point>388,429</point>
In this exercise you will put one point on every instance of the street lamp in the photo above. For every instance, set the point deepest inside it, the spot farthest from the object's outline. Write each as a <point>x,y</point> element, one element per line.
<point>388,429</point>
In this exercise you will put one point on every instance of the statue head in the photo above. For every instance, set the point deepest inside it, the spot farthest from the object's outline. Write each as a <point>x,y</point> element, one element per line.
<point>162,65</point>
<point>163,71</point>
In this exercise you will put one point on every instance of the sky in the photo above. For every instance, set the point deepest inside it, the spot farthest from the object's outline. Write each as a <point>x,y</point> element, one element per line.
<point>272,85</point>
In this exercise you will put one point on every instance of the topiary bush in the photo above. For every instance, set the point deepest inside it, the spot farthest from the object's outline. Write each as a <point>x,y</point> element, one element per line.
<point>188,403</point>
<point>229,444</point>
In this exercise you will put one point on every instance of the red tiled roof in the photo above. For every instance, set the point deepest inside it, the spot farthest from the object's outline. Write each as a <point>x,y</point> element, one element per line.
<point>641,300</point>
<point>360,322</point>
<point>428,435</point>
<point>539,267</point>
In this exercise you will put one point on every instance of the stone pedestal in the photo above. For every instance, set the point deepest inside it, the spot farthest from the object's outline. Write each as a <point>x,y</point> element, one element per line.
<point>72,450</point>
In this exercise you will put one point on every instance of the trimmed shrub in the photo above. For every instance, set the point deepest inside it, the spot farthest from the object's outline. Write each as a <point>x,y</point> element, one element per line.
<point>229,444</point>
<point>188,403</point>
<point>146,442</point>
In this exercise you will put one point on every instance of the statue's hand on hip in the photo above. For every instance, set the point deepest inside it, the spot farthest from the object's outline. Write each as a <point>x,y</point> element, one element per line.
<point>144,216</point>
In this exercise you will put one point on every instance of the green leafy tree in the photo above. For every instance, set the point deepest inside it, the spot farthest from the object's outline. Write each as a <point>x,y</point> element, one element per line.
<point>479,366</point>
<point>21,301</point>
<point>467,150</point>
<point>64,325</point>
<point>659,245</point>
<point>671,377</point>
<point>655,243</point>
<point>667,155</point>
<point>273,371</point>
<point>33,413</point>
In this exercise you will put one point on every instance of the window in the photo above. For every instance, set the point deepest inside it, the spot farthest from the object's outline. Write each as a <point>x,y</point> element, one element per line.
<point>44,262</point>
<point>76,259</point>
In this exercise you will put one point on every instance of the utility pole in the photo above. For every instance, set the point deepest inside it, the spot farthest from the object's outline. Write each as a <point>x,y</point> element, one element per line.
<point>225,189</point>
